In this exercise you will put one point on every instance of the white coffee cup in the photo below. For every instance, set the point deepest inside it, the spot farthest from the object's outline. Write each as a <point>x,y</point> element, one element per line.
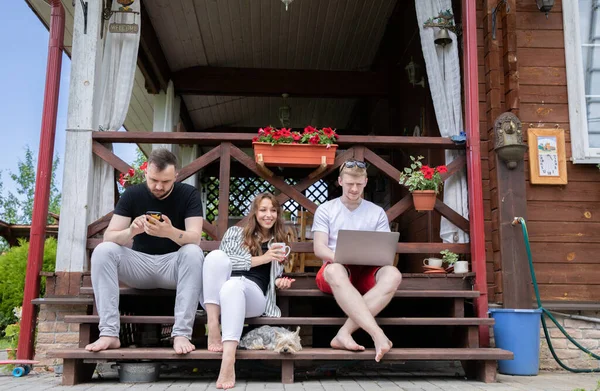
<point>434,262</point>
<point>283,246</point>
<point>461,267</point>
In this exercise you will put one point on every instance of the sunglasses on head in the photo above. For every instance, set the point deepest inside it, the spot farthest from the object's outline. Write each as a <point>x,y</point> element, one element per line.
<point>352,164</point>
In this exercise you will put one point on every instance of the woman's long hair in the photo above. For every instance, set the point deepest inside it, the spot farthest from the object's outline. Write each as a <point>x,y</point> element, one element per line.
<point>253,236</point>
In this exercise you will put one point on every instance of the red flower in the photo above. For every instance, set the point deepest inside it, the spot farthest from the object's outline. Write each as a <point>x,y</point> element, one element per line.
<point>121,179</point>
<point>255,139</point>
<point>276,136</point>
<point>267,130</point>
<point>427,172</point>
<point>328,132</point>
<point>144,166</point>
<point>131,172</point>
<point>309,129</point>
<point>314,139</point>
<point>441,169</point>
<point>296,136</point>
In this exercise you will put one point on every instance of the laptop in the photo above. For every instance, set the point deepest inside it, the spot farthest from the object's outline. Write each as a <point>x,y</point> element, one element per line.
<point>368,248</point>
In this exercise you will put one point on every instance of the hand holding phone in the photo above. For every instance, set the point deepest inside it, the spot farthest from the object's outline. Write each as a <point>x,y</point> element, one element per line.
<point>153,215</point>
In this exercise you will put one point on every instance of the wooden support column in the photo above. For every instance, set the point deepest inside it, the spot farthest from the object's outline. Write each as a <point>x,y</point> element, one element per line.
<point>224,179</point>
<point>511,271</point>
<point>77,190</point>
<point>494,98</point>
<point>511,202</point>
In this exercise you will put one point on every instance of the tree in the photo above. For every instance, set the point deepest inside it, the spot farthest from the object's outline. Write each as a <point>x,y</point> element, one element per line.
<point>18,208</point>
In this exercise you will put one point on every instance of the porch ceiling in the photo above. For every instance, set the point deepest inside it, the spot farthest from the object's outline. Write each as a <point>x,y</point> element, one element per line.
<point>313,34</point>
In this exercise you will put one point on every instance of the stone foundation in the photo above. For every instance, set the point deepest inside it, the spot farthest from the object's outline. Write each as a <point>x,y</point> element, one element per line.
<point>586,333</point>
<point>53,333</point>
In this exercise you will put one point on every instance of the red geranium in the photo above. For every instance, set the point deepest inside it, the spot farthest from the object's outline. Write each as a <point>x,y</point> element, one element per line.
<point>422,177</point>
<point>134,175</point>
<point>311,135</point>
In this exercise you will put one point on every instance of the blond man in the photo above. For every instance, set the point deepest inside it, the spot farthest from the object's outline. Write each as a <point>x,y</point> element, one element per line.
<point>360,291</point>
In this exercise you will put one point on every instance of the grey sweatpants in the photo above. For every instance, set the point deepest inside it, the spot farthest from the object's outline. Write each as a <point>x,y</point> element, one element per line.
<point>181,270</point>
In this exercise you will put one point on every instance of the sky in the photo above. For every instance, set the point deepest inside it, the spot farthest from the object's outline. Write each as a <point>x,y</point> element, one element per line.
<point>23,59</point>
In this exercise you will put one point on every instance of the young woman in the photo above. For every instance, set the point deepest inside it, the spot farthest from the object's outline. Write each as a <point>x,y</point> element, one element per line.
<point>240,278</point>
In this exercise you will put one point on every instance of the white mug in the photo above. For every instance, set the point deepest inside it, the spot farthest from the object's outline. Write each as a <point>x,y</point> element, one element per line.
<point>434,262</point>
<point>283,246</point>
<point>461,267</point>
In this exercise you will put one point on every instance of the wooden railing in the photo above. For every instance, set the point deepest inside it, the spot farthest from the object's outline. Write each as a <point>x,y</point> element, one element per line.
<point>226,148</point>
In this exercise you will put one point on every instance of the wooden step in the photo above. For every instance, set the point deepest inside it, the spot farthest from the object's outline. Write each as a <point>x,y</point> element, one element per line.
<point>293,321</point>
<point>443,354</point>
<point>301,292</point>
<point>63,301</point>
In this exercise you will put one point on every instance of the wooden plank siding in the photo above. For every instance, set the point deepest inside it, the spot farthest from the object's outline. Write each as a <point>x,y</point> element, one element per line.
<point>563,221</point>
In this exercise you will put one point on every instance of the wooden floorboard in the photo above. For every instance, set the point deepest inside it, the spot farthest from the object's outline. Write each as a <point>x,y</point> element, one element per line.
<point>142,319</point>
<point>305,354</point>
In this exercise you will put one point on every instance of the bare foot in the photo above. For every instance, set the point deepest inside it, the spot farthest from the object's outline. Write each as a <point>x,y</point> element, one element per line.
<point>226,378</point>
<point>214,339</point>
<point>382,347</point>
<point>182,345</point>
<point>346,342</point>
<point>104,343</point>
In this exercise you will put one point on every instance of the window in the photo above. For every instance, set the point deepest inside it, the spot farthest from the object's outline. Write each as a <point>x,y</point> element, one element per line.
<point>581,21</point>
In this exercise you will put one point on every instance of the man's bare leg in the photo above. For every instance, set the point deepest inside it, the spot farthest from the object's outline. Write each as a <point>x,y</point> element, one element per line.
<point>388,279</point>
<point>104,343</point>
<point>182,345</point>
<point>226,379</point>
<point>213,311</point>
<point>353,304</point>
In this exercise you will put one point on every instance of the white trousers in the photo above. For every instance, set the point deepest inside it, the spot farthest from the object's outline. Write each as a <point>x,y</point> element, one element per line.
<point>238,297</point>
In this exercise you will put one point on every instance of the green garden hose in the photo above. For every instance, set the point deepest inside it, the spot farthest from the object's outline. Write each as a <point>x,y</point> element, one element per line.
<point>521,221</point>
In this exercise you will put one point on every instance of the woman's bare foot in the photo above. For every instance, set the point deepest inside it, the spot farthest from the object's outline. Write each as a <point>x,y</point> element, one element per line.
<point>182,345</point>
<point>214,338</point>
<point>226,378</point>
<point>346,342</point>
<point>104,343</point>
<point>382,346</point>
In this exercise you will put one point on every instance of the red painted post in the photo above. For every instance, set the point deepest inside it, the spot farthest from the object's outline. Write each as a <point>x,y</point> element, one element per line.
<point>25,350</point>
<point>469,17</point>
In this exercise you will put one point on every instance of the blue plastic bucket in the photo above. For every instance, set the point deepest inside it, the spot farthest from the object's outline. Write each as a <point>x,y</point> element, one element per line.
<point>518,330</point>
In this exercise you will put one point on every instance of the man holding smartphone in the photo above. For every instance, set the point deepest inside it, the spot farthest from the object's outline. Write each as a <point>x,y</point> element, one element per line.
<point>164,219</point>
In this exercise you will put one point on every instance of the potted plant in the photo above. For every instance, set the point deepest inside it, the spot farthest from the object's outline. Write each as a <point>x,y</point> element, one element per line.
<point>423,182</point>
<point>453,259</point>
<point>134,175</point>
<point>286,148</point>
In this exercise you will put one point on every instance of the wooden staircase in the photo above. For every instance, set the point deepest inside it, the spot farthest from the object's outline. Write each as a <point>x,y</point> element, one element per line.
<point>423,308</point>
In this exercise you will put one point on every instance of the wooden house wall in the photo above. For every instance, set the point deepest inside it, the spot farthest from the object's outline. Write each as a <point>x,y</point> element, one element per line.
<point>563,221</point>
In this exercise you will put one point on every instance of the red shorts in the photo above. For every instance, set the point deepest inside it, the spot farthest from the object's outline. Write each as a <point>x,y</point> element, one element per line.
<point>362,277</point>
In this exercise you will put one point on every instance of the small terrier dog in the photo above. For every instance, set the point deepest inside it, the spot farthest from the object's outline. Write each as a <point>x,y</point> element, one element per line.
<point>279,339</point>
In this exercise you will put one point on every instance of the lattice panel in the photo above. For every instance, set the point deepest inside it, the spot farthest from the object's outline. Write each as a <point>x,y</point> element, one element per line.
<point>243,190</point>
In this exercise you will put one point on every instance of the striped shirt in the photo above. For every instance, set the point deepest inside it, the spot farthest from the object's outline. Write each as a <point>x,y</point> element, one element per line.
<point>241,259</point>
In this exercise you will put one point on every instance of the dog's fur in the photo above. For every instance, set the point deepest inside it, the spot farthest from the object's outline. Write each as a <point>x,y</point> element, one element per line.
<point>279,339</point>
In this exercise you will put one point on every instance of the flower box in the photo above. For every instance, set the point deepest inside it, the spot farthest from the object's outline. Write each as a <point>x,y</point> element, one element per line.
<point>294,155</point>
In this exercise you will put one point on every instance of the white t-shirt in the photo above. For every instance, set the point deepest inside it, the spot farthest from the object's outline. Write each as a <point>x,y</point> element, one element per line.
<point>333,215</point>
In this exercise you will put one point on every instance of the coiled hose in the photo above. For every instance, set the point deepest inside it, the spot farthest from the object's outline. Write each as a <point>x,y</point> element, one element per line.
<point>521,221</point>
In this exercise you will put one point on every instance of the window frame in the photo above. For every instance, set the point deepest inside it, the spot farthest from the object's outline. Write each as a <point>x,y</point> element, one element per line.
<point>580,137</point>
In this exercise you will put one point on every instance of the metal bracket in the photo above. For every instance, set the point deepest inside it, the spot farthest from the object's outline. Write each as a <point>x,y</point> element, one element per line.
<point>84,8</point>
<point>494,12</point>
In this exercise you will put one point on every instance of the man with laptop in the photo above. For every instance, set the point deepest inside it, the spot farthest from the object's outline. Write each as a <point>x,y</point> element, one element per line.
<point>358,266</point>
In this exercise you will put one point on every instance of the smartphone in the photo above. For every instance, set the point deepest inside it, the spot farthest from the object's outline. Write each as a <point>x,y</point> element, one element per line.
<point>155,215</point>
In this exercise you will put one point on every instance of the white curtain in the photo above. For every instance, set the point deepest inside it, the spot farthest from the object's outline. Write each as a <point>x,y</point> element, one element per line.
<point>445,85</point>
<point>113,93</point>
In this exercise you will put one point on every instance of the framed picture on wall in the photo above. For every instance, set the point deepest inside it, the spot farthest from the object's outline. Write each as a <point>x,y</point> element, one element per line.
<point>547,156</point>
